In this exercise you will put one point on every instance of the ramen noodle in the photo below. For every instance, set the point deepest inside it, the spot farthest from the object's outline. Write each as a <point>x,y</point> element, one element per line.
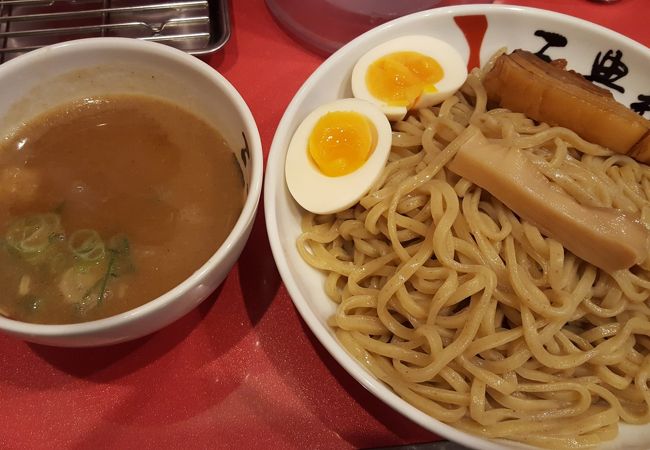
<point>472,314</point>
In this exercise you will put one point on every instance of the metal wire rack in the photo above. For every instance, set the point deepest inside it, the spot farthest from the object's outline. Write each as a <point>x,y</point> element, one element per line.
<point>195,26</point>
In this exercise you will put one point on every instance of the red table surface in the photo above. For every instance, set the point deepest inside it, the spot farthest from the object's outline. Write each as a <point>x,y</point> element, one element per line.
<point>242,370</point>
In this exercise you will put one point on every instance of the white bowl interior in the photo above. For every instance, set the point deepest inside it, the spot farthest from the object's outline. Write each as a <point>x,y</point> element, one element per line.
<point>508,26</point>
<point>45,78</point>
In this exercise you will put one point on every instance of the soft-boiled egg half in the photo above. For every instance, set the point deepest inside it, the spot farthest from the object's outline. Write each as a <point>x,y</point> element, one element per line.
<point>336,154</point>
<point>409,72</point>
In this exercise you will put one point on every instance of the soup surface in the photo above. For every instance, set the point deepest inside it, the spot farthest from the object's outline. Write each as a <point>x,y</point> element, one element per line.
<point>107,203</point>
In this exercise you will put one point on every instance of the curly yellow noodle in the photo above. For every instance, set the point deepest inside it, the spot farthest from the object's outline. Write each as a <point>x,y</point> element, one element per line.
<point>472,314</point>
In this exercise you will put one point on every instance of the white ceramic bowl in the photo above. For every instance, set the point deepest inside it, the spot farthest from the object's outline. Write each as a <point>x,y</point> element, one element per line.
<point>44,78</point>
<point>513,27</point>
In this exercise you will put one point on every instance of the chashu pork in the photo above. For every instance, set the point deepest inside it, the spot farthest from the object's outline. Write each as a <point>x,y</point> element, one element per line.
<point>546,92</point>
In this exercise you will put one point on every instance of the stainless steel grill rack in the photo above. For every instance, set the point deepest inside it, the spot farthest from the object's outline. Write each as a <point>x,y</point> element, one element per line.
<point>195,26</point>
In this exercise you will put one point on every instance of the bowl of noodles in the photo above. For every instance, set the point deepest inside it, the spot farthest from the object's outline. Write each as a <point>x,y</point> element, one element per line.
<point>448,299</point>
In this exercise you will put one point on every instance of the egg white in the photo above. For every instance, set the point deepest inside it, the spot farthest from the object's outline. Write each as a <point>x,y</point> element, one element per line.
<point>320,193</point>
<point>452,63</point>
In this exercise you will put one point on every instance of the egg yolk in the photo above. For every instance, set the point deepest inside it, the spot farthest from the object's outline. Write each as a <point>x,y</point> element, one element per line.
<point>341,142</point>
<point>399,78</point>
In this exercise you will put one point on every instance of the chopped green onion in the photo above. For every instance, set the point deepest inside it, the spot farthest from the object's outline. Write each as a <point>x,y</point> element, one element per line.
<point>118,263</point>
<point>87,245</point>
<point>33,234</point>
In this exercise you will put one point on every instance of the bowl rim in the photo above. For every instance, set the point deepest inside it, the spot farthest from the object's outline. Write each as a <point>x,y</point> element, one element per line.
<point>274,182</point>
<point>239,230</point>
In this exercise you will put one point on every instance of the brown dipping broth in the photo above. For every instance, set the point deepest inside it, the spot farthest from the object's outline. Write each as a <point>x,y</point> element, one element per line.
<point>156,183</point>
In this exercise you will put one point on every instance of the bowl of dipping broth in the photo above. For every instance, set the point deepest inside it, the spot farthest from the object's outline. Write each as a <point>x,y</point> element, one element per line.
<point>130,174</point>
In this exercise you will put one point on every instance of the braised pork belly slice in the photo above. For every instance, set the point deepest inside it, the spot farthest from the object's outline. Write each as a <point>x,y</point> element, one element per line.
<point>605,237</point>
<point>641,150</point>
<point>545,92</point>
